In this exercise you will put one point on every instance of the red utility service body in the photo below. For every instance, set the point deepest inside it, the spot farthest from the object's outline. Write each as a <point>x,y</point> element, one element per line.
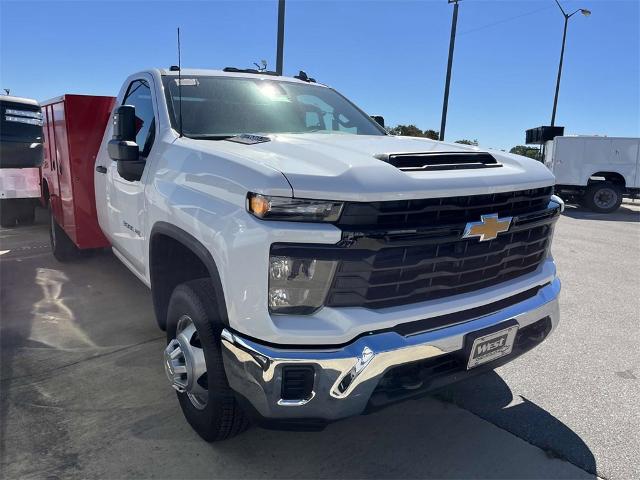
<point>73,130</point>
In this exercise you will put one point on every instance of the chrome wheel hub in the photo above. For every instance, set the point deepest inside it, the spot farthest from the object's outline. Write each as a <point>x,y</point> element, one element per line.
<point>184,363</point>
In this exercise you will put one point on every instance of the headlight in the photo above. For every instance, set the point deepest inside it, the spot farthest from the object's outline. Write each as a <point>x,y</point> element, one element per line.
<point>298,285</point>
<point>293,209</point>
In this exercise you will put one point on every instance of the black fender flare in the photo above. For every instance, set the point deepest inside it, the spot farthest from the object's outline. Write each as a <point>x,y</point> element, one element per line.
<point>160,297</point>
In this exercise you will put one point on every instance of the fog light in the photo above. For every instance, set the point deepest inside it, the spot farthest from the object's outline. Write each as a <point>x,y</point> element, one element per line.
<point>298,285</point>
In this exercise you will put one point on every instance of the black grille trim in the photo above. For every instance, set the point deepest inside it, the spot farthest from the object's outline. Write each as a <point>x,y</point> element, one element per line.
<point>417,162</point>
<point>435,212</point>
<point>433,323</point>
<point>381,268</point>
<point>437,268</point>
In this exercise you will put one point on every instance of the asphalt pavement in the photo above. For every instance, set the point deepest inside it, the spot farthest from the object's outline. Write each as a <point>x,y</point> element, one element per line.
<point>83,392</point>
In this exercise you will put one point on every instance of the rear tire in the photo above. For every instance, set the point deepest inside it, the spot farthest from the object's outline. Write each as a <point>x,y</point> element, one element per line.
<point>603,197</point>
<point>62,246</point>
<point>210,406</point>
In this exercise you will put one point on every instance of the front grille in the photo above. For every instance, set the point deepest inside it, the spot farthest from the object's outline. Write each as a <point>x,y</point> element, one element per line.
<point>442,211</point>
<point>397,253</point>
<point>402,275</point>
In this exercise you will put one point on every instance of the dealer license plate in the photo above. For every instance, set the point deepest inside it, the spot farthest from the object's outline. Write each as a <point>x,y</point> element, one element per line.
<point>492,346</point>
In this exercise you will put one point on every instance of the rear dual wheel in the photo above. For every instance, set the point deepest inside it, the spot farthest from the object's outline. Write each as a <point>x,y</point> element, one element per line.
<point>62,246</point>
<point>193,363</point>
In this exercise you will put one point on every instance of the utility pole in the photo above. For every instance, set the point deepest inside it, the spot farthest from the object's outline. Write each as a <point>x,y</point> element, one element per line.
<point>452,42</point>
<point>584,12</point>
<point>280,48</point>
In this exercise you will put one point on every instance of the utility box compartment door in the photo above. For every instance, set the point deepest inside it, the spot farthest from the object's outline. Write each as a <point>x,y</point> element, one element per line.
<point>74,126</point>
<point>624,158</point>
<point>576,159</point>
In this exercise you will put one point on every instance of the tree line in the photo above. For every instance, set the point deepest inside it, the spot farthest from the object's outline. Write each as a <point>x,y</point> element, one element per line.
<point>413,131</point>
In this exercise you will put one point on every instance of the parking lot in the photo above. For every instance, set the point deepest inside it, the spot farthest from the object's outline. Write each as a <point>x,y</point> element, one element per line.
<point>84,393</point>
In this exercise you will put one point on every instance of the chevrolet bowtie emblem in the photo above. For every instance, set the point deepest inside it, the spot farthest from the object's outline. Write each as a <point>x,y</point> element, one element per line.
<point>487,228</point>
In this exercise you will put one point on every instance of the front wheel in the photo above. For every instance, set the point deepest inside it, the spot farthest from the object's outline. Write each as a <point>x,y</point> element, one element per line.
<point>603,197</point>
<point>193,363</point>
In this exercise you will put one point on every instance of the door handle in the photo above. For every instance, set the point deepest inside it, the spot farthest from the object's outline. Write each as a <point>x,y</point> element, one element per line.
<point>101,169</point>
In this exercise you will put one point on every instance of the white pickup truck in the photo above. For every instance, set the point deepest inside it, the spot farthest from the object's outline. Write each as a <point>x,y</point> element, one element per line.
<point>306,265</point>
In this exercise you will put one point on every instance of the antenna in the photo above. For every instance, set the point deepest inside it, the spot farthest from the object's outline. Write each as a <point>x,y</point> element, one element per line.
<point>262,67</point>
<point>179,83</point>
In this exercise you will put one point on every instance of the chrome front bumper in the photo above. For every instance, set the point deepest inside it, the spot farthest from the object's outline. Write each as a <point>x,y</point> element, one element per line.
<point>255,371</point>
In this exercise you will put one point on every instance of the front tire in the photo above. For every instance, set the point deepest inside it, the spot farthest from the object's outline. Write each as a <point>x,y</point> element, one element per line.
<point>193,363</point>
<point>603,197</point>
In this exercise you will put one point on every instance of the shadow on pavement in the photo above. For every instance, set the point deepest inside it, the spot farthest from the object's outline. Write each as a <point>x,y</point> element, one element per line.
<point>489,397</point>
<point>623,214</point>
<point>425,438</point>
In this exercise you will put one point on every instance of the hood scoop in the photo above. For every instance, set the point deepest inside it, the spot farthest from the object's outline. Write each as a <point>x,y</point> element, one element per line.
<point>420,162</point>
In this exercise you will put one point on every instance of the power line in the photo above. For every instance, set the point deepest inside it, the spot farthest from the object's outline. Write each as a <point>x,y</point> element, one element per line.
<point>504,20</point>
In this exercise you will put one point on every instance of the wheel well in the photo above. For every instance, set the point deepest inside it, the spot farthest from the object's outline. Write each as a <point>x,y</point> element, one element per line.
<point>171,263</point>
<point>613,177</point>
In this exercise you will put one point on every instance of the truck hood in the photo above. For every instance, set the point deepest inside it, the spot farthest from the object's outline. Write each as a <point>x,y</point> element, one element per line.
<point>345,167</point>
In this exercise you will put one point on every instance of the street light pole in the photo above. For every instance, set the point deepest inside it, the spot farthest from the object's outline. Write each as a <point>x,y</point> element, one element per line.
<point>452,42</point>
<point>586,13</point>
<point>280,47</point>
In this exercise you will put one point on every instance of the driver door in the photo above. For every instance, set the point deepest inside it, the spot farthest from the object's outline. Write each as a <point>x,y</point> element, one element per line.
<point>125,198</point>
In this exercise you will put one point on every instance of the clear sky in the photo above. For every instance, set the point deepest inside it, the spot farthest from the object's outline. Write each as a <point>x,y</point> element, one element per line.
<point>387,56</point>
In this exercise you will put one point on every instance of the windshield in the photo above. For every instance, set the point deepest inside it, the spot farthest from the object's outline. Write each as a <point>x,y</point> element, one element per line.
<point>215,107</point>
<point>20,122</point>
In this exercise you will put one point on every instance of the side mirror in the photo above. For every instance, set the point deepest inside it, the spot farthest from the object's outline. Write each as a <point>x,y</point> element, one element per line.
<point>123,147</point>
<point>379,119</point>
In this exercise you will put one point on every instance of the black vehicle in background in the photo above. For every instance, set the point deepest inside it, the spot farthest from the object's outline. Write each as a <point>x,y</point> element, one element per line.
<point>21,154</point>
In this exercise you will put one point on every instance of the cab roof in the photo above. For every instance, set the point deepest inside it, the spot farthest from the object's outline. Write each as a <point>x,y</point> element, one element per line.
<point>24,101</point>
<point>222,73</point>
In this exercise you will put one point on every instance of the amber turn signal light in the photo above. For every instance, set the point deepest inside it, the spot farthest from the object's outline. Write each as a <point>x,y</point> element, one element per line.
<point>259,205</point>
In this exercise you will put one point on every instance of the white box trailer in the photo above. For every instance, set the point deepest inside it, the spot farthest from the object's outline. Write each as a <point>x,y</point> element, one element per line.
<point>595,171</point>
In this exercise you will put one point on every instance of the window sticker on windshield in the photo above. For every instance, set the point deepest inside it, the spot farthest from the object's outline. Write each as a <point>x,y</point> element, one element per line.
<point>246,139</point>
<point>187,82</point>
